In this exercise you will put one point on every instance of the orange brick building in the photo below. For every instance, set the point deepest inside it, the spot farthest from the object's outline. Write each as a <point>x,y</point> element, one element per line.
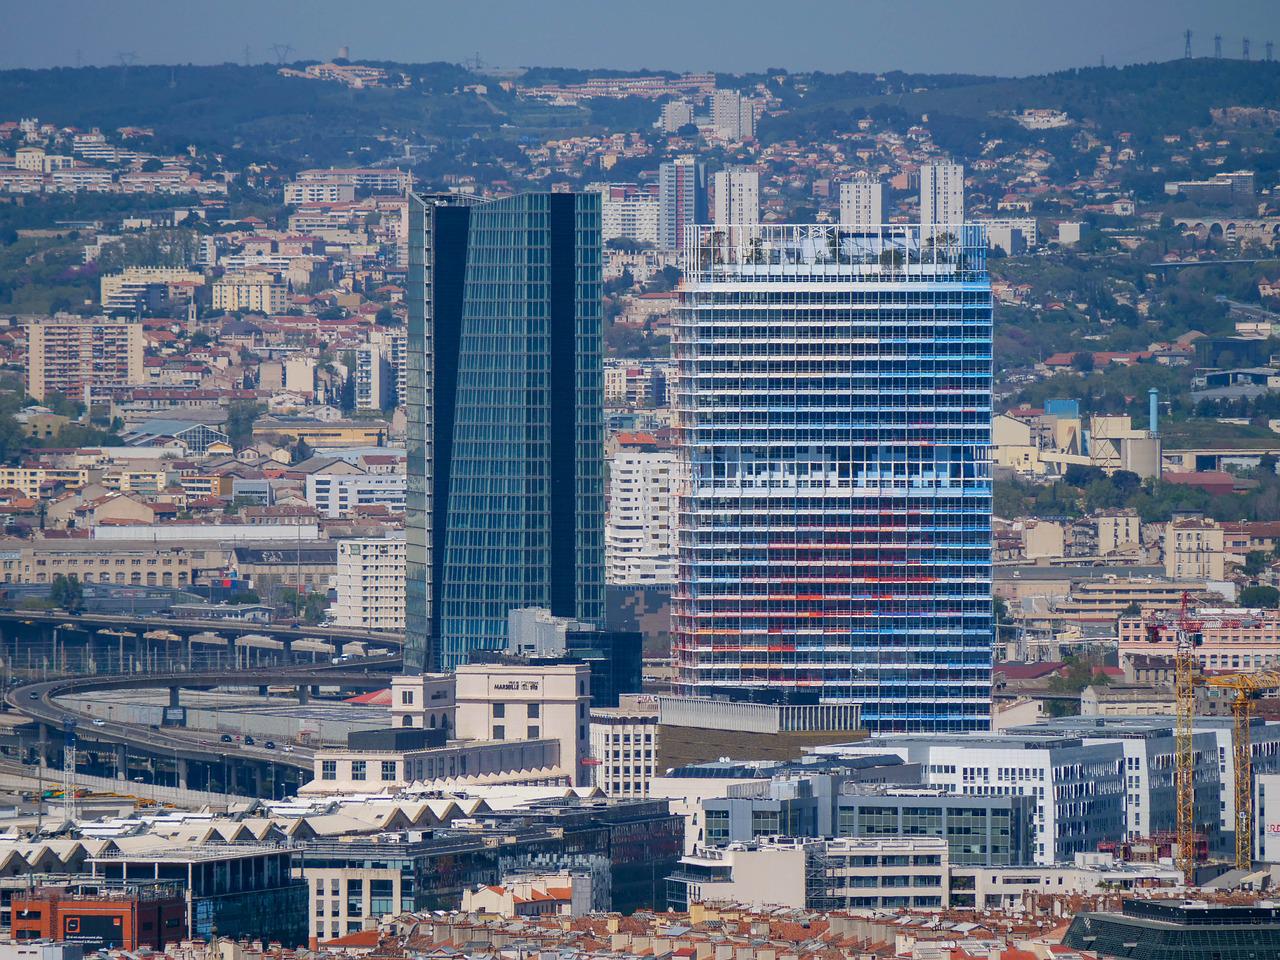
<point>101,916</point>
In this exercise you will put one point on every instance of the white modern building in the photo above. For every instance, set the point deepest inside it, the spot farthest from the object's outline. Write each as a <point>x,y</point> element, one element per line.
<point>941,194</point>
<point>423,700</point>
<point>862,201</point>
<point>624,746</point>
<point>640,519</point>
<point>737,196</point>
<point>1079,788</point>
<point>370,583</point>
<point>847,873</point>
<point>338,495</point>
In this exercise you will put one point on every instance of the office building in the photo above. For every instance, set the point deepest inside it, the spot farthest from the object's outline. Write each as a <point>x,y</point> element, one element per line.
<point>614,657</point>
<point>1079,787</point>
<point>682,199</point>
<point>100,915</point>
<point>68,354</point>
<point>737,191</point>
<point>862,202</point>
<point>1153,929</point>
<point>640,542</point>
<point>337,495</point>
<point>733,116</point>
<point>835,495</point>
<point>942,196</point>
<point>505,409</point>
<point>624,746</point>
<point>878,873</point>
<point>370,584</point>
<point>506,701</point>
<point>246,890</point>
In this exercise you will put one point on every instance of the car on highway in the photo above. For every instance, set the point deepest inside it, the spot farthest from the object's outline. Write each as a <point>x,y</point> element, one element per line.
<point>270,744</point>
<point>249,741</point>
<point>226,738</point>
<point>288,748</point>
<point>33,695</point>
<point>99,722</point>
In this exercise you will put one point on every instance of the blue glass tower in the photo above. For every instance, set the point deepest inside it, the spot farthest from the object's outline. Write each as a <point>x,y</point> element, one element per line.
<point>833,414</point>
<point>505,388</point>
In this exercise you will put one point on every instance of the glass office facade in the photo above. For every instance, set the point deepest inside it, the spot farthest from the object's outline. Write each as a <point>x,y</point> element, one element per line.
<point>505,387</point>
<point>833,413</point>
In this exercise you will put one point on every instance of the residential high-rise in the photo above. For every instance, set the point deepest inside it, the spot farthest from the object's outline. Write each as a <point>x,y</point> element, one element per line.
<point>640,525</point>
<point>862,202</point>
<point>675,114</point>
<point>369,582</point>
<point>737,196</point>
<point>627,213</point>
<point>374,380</point>
<point>833,420</point>
<point>941,194</point>
<point>682,199</point>
<point>66,354</point>
<point>733,116</point>
<point>505,503</point>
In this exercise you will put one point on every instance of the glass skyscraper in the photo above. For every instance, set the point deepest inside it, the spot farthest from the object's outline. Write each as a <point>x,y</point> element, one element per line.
<point>505,503</point>
<point>833,414</point>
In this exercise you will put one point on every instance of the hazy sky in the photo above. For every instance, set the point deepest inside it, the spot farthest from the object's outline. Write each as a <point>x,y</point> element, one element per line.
<point>971,36</point>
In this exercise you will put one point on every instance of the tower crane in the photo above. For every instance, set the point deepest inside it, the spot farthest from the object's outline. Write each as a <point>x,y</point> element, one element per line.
<point>1187,634</point>
<point>1245,685</point>
<point>1186,637</point>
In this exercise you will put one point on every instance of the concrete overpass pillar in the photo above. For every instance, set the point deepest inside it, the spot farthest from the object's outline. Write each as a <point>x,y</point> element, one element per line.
<point>183,773</point>
<point>175,696</point>
<point>231,652</point>
<point>287,643</point>
<point>304,693</point>
<point>122,762</point>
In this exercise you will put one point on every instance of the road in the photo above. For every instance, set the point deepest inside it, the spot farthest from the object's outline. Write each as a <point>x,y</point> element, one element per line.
<point>237,628</point>
<point>39,702</point>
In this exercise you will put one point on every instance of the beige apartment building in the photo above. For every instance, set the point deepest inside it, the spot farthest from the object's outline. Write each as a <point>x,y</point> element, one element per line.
<point>1194,549</point>
<point>66,354</point>
<point>1230,639</point>
<point>257,293</point>
<point>92,561</point>
<point>1119,531</point>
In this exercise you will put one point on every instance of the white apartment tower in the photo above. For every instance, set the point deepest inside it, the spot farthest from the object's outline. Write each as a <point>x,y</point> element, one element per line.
<point>676,114</point>
<point>639,535</point>
<point>862,202</point>
<point>370,584</point>
<point>732,116</point>
<point>941,194</point>
<point>737,192</point>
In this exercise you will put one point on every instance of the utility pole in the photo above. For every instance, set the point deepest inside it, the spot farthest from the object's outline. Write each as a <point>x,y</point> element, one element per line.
<point>1186,51</point>
<point>1217,46</point>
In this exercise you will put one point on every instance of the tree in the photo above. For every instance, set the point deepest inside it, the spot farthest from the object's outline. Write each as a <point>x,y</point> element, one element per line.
<point>1082,362</point>
<point>241,415</point>
<point>12,439</point>
<point>301,451</point>
<point>67,593</point>
<point>1260,596</point>
<point>1255,561</point>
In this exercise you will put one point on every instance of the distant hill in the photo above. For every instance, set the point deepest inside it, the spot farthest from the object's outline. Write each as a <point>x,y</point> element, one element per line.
<point>1146,100</point>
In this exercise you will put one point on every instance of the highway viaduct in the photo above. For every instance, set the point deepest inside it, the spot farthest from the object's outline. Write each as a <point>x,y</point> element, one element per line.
<point>196,760</point>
